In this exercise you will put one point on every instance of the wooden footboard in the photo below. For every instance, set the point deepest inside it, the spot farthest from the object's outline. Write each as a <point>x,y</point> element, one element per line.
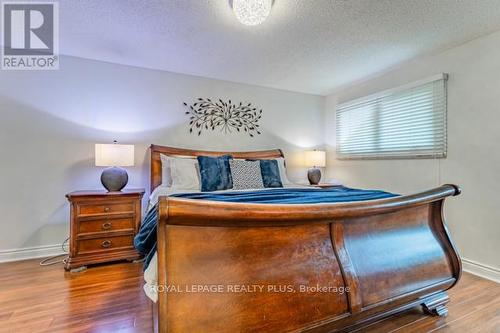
<point>232,267</point>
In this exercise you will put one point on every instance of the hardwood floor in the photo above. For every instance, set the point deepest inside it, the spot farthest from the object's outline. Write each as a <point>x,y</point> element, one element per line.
<point>109,298</point>
<point>105,298</point>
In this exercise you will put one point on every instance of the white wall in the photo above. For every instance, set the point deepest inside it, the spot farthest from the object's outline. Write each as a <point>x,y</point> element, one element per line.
<point>473,160</point>
<point>50,120</point>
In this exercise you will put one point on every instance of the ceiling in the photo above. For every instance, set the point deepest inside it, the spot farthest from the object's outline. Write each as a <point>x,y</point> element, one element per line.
<point>311,46</point>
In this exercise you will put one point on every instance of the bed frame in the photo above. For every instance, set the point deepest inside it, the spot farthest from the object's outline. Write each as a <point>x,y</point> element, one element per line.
<point>372,259</point>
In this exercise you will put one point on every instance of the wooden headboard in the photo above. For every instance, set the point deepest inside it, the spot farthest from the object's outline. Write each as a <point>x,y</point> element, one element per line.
<point>156,173</point>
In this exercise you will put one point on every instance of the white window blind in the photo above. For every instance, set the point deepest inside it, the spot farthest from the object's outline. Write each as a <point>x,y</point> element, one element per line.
<point>406,122</point>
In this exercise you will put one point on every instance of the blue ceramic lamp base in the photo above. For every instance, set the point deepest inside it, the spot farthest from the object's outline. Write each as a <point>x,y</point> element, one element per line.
<point>114,179</point>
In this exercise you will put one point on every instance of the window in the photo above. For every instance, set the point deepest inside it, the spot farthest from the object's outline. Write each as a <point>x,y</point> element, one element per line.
<point>406,122</point>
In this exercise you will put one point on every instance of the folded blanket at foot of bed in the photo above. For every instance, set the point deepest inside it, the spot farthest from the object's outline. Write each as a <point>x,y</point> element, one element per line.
<point>145,241</point>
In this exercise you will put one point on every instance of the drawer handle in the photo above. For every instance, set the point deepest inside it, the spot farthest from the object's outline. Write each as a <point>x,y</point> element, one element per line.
<point>106,244</point>
<point>107,225</point>
<point>106,209</point>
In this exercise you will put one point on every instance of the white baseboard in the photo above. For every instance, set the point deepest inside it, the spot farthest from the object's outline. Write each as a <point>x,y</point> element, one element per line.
<point>482,270</point>
<point>30,253</point>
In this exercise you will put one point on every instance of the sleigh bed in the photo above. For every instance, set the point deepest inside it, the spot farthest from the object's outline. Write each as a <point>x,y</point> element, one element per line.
<point>313,267</point>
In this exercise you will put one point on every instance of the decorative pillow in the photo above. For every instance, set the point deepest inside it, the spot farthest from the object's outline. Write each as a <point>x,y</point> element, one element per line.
<point>185,173</point>
<point>270,173</point>
<point>246,174</point>
<point>215,173</point>
<point>282,170</point>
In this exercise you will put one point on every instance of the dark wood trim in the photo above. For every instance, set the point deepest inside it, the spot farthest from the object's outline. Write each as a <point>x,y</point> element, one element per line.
<point>347,267</point>
<point>212,213</point>
<point>436,305</point>
<point>128,192</point>
<point>162,273</point>
<point>444,234</point>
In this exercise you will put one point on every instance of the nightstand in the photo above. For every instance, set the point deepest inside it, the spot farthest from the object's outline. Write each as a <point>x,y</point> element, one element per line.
<point>326,185</point>
<point>103,226</point>
<point>330,183</point>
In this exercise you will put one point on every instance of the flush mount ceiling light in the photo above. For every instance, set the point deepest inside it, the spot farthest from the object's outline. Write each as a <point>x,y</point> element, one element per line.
<point>252,12</point>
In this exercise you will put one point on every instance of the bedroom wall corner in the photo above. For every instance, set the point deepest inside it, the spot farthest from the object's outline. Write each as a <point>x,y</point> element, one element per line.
<point>473,136</point>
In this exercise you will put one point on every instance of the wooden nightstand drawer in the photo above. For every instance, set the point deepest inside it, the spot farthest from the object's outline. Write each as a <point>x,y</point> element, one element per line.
<point>106,225</point>
<point>86,209</point>
<point>105,244</point>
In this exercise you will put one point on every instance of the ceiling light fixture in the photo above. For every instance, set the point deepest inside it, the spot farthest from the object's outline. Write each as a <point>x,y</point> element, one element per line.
<point>252,12</point>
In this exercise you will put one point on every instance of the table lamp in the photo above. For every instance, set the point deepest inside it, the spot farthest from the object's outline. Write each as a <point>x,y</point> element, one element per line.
<point>315,159</point>
<point>114,156</point>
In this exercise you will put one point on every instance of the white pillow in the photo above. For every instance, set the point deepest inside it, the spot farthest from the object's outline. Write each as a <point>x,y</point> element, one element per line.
<point>281,165</point>
<point>185,173</point>
<point>184,177</point>
<point>166,170</point>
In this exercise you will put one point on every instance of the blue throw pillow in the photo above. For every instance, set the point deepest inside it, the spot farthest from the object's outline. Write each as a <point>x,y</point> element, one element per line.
<point>215,173</point>
<point>270,173</point>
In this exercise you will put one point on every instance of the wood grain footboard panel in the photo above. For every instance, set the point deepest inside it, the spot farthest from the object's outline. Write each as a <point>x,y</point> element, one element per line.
<point>393,254</point>
<point>249,277</point>
<point>231,267</point>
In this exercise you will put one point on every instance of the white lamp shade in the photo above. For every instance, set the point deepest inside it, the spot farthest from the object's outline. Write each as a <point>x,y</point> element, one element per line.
<point>114,155</point>
<point>315,158</point>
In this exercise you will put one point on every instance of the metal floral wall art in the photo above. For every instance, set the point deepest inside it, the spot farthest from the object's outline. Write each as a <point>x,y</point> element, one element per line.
<point>206,114</point>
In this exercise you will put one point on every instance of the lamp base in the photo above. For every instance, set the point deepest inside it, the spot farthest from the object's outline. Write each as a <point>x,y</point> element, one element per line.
<point>114,179</point>
<point>314,176</point>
